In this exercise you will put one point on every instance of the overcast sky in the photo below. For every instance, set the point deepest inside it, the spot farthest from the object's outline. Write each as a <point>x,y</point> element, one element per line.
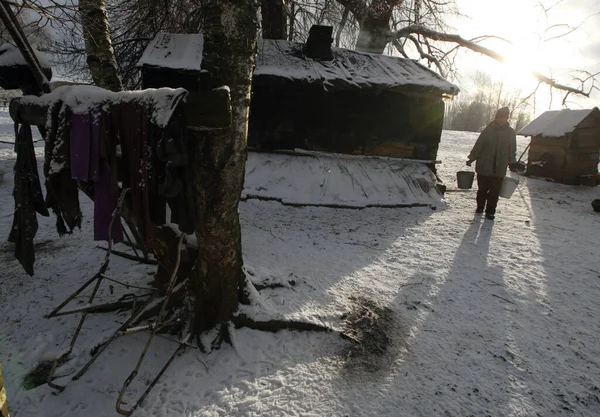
<point>527,26</point>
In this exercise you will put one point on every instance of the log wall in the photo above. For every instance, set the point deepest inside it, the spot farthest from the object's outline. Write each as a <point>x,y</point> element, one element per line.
<point>350,122</point>
<point>568,158</point>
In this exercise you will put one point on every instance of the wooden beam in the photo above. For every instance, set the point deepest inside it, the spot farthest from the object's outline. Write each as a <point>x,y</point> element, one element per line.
<point>27,112</point>
<point>204,110</point>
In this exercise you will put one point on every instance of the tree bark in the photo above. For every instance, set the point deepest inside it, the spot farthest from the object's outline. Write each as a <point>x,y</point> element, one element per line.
<point>229,29</point>
<point>273,19</point>
<point>100,54</point>
<point>373,35</point>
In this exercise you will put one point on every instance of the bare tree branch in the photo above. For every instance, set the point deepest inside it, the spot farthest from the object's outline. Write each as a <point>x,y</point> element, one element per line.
<point>406,32</point>
<point>338,35</point>
<point>446,37</point>
<point>554,84</point>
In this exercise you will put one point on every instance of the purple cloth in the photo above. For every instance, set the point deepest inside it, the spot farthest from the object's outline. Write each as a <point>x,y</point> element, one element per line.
<point>104,206</point>
<point>95,146</point>
<point>80,147</point>
<point>86,165</point>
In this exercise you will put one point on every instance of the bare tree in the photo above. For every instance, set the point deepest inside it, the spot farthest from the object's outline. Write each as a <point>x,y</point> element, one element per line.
<point>420,26</point>
<point>273,19</point>
<point>230,28</point>
<point>100,55</point>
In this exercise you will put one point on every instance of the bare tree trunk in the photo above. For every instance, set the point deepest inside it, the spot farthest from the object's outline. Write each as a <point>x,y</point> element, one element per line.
<point>98,47</point>
<point>374,31</point>
<point>273,19</point>
<point>229,30</point>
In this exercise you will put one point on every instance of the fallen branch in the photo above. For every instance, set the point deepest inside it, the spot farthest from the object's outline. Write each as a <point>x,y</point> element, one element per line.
<point>104,308</point>
<point>502,298</point>
<point>361,244</point>
<point>276,325</point>
<point>129,256</point>
<point>260,287</point>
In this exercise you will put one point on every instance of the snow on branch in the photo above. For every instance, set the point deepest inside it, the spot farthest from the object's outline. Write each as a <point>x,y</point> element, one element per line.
<point>408,32</point>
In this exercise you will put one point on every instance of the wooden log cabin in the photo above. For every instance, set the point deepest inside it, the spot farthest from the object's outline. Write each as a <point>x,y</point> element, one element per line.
<point>565,146</point>
<point>315,97</point>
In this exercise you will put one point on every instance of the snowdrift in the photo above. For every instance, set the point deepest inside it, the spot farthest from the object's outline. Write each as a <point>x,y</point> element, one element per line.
<point>334,180</point>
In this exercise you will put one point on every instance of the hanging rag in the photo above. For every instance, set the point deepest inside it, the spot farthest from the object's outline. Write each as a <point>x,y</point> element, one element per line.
<point>173,172</point>
<point>62,193</point>
<point>28,198</point>
<point>88,165</point>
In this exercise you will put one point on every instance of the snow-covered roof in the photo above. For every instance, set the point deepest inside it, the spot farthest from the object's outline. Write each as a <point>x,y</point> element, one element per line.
<point>556,123</point>
<point>175,51</point>
<point>284,61</point>
<point>11,56</point>
<point>348,69</point>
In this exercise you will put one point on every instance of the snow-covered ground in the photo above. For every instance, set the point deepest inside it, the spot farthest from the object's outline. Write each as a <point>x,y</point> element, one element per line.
<point>470,317</point>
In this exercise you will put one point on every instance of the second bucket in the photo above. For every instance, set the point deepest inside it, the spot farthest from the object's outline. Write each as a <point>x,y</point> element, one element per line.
<point>465,179</point>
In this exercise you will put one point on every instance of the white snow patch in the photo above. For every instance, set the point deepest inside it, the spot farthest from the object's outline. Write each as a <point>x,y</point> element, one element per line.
<point>175,51</point>
<point>84,98</point>
<point>338,180</point>
<point>348,68</point>
<point>499,318</point>
<point>285,59</point>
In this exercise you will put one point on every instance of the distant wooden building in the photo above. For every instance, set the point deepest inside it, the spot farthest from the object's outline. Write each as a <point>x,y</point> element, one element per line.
<point>312,96</point>
<point>14,72</point>
<point>565,146</point>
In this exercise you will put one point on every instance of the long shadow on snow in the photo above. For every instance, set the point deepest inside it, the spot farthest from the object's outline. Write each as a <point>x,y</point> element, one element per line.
<point>447,321</point>
<point>320,250</point>
<point>559,341</point>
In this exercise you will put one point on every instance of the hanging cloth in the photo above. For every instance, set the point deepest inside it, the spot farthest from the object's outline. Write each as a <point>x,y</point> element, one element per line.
<point>87,164</point>
<point>28,197</point>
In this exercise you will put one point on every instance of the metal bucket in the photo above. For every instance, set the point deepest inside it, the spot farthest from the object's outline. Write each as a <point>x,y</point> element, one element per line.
<point>508,187</point>
<point>465,179</point>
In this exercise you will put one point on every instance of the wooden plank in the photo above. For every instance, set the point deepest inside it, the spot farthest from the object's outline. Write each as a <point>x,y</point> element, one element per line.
<point>562,142</point>
<point>26,113</point>
<point>3,401</point>
<point>591,121</point>
<point>395,150</point>
<point>581,170</point>
<point>583,157</point>
<point>584,138</point>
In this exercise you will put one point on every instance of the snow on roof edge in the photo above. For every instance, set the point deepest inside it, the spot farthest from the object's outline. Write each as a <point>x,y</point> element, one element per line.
<point>10,55</point>
<point>174,51</point>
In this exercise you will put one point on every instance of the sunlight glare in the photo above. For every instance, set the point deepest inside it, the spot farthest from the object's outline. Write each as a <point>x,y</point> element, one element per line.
<point>518,68</point>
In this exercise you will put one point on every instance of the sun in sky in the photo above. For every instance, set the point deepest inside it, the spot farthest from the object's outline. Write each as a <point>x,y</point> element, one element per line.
<point>552,40</point>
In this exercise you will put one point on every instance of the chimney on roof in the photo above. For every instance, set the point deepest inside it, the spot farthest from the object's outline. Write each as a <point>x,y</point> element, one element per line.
<point>318,45</point>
